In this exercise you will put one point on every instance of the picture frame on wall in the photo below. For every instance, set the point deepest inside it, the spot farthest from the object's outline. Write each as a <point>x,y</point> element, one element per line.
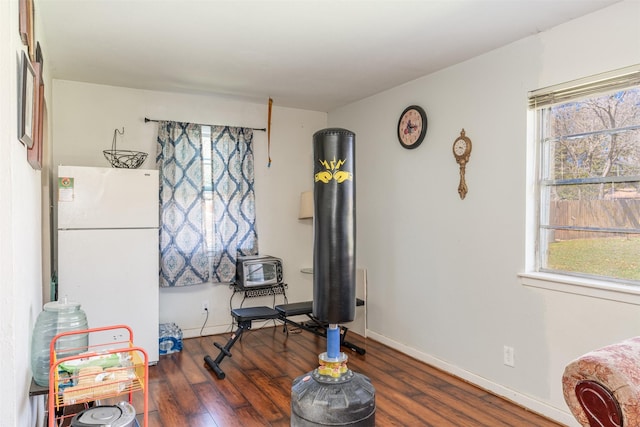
<point>26,101</point>
<point>26,25</point>
<point>34,153</point>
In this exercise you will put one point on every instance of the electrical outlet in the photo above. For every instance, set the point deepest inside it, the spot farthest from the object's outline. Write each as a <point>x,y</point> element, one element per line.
<point>205,306</point>
<point>509,356</point>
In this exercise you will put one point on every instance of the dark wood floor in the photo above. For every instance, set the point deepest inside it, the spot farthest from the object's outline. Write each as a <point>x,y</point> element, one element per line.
<point>256,390</point>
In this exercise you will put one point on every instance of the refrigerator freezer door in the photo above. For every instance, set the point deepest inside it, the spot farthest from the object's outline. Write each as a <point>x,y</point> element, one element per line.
<point>90,197</point>
<point>113,274</point>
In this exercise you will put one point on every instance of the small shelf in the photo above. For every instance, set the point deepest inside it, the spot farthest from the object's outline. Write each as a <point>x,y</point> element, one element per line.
<point>98,384</point>
<point>99,372</point>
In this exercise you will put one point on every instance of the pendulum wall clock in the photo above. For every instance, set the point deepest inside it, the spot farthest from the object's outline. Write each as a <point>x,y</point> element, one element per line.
<point>462,152</point>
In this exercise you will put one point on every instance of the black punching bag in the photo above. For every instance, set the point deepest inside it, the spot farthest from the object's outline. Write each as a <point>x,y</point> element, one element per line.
<point>334,272</point>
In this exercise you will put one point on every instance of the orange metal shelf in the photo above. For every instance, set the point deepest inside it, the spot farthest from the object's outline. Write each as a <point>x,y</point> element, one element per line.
<point>90,382</point>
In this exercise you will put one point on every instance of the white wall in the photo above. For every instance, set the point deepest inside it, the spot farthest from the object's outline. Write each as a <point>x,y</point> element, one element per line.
<point>442,272</point>
<point>20,232</point>
<point>85,116</point>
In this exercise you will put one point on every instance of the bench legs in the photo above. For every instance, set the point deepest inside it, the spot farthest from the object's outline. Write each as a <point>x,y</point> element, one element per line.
<point>226,350</point>
<point>244,317</point>
<point>348,344</point>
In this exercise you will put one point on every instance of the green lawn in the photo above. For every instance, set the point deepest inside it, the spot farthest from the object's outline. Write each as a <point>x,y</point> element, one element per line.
<point>619,258</point>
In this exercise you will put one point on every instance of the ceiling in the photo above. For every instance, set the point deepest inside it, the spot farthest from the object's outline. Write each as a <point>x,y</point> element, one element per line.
<point>308,54</point>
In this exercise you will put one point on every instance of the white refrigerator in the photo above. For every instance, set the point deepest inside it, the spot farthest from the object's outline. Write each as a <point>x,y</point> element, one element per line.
<point>108,250</point>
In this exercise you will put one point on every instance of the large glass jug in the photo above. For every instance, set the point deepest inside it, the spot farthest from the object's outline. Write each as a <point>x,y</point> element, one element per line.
<point>56,317</point>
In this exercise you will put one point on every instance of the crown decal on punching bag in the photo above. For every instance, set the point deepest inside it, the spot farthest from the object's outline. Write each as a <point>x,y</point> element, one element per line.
<point>333,172</point>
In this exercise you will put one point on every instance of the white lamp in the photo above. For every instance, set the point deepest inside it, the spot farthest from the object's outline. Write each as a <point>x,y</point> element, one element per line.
<point>306,205</point>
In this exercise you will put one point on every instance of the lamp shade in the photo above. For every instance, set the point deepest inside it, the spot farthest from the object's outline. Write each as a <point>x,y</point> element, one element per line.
<point>306,205</point>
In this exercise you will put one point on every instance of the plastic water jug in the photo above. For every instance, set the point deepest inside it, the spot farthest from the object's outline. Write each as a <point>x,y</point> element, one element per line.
<point>57,317</point>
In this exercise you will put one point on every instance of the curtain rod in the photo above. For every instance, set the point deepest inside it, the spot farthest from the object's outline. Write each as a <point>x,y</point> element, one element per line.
<point>147,120</point>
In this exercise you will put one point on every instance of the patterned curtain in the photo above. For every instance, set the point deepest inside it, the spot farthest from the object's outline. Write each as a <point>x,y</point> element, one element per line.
<point>234,213</point>
<point>207,199</point>
<point>183,250</point>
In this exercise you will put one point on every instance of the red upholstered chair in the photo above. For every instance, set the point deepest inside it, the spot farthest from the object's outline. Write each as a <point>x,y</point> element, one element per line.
<point>602,387</point>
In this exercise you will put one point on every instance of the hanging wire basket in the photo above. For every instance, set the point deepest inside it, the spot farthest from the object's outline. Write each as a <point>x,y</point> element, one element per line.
<point>126,159</point>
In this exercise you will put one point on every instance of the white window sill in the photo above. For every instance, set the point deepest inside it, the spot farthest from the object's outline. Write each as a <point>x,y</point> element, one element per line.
<point>575,285</point>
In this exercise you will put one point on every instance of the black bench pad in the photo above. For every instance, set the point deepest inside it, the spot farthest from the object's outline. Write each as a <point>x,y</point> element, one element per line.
<point>254,313</point>
<point>295,309</point>
<point>306,307</point>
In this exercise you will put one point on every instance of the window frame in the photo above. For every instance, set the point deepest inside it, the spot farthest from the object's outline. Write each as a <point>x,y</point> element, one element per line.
<point>533,276</point>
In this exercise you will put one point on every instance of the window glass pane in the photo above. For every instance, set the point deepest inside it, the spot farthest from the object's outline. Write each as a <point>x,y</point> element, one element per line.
<point>609,111</point>
<point>597,155</point>
<point>595,137</point>
<point>603,191</point>
<point>605,256</point>
<point>608,213</point>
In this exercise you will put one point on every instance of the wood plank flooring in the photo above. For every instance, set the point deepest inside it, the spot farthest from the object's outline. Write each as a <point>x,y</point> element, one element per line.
<point>256,391</point>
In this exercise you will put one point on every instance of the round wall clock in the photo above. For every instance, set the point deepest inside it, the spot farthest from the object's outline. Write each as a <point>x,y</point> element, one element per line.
<point>462,148</point>
<point>412,126</point>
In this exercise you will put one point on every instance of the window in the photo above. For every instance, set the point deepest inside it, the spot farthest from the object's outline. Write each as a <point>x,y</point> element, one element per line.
<point>207,202</point>
<point>588,184</point>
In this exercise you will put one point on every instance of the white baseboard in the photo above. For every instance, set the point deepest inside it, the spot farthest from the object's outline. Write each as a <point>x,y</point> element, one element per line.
<point>211,330</point>
<point>528,402</point>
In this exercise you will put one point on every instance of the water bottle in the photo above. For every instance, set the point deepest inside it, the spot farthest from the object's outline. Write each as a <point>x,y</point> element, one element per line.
<point>56,317</point>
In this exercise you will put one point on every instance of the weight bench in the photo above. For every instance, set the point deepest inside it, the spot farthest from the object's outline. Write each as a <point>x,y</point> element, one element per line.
<point>313,325</point>
<point>244,317</point>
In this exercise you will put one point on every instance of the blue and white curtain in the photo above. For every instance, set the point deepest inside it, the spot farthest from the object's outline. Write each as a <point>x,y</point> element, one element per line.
<point>234,213</point>
<point>197,245</point>
<point>183,250</point>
